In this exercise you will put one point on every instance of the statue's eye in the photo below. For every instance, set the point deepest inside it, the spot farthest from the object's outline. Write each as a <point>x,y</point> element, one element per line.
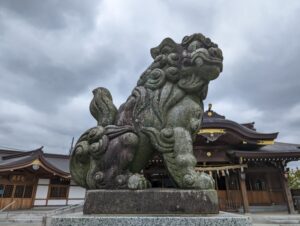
<point>166,50</point>
<point>194,45</point>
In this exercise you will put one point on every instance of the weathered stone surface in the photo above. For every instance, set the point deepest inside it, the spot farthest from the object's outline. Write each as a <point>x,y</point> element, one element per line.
<point>162,115</point>
<point>151,201</point>
<point>223,219</point>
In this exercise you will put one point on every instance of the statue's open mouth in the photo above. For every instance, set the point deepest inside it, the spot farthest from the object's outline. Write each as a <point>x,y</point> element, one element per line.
<point>201,56</point>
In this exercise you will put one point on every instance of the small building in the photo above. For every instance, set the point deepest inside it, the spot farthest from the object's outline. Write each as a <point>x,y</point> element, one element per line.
<point>249,167</point>
<point>34,178</point>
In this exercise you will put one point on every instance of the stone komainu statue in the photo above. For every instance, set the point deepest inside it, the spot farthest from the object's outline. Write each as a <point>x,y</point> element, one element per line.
<point>162,115</point>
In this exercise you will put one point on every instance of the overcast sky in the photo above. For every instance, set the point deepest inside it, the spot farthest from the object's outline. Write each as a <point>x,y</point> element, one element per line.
<point>54,53</point>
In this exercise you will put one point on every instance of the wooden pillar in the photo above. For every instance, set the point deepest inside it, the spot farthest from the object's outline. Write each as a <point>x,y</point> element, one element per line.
<point>242,178</point>
<point>227,188</point>
<point>287,193</point>
<point>228,195</point>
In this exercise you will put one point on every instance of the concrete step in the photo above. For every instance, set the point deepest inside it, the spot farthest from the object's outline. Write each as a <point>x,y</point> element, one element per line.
<point>276,224</point>
<point>20,220</point>
<point>265,209</point>
<point>274,219</point>
<point>20,224</point>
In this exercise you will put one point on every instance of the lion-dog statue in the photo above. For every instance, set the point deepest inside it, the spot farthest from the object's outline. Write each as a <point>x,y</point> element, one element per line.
<point>162,115</point>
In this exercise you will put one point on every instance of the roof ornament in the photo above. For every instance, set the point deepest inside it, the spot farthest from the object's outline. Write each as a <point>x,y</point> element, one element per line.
<point>209,106</point>
<point>209,112</point>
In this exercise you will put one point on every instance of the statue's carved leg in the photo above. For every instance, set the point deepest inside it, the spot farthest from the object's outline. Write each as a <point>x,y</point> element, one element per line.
<point>87,158</point>
<point>176,147</point>
<point>100,162</point>
<point>118,158</point>
<point>181,163</point>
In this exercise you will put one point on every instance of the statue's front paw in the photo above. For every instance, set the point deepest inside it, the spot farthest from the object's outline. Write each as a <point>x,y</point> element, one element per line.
<point>201,181</point>
<point>206,181</point>
<point>138,181</point>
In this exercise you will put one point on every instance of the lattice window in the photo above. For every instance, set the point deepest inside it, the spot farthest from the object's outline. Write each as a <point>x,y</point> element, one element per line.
<point>1,190</point>
<point>19,191</point>
<point>59,180</point>
<point>260,185</point>
<point>8,190</point>
<point>59,188</point>
<point>28,191</point>
<point>58,192</point>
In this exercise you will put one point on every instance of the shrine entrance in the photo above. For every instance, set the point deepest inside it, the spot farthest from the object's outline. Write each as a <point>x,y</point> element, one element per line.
<point>229,193</point>
<point>263,188</point>
<point>18,190</point>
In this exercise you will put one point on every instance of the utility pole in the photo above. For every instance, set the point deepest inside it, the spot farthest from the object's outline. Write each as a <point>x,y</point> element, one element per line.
<point>71,147</point>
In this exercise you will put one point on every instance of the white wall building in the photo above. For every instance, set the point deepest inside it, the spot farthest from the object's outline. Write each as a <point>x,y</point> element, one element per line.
<point>35,178</point>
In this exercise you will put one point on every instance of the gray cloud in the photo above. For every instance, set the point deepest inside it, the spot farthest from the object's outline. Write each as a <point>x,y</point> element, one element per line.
<point>53,14</point>
<point>53,53</point>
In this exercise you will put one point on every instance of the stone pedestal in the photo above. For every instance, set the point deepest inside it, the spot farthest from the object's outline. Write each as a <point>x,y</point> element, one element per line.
<point>222,219</point>
<point>151,201</point>
<point>151,207</point>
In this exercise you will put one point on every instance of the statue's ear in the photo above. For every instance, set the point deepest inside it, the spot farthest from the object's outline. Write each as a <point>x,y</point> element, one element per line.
<point>165,47</point>
<point>186,40</point>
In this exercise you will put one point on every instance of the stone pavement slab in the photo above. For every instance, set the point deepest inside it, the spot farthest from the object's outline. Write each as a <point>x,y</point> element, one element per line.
<point>222,219</point>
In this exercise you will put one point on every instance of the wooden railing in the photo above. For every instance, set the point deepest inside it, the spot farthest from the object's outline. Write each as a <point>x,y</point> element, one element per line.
<point>7,206</point>
<point>230,200</point>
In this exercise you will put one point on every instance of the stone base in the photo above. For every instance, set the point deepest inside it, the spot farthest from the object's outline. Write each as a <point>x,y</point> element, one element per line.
<point>222,219</point>
<point>151,201</point>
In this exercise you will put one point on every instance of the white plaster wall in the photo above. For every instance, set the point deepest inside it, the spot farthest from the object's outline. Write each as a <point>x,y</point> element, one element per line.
<point>39,202</point>
<point>75,201</point>
<point>76,192</point>
<point>54,202</point>
<point>41,192</point>
<point>44,181</point>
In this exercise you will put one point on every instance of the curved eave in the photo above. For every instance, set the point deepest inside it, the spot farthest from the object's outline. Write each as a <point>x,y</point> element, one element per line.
<point>47,165</point>
<point>259,154</point>
<point>277,151</point>
<point>32,160</point>
<point>237,128</point>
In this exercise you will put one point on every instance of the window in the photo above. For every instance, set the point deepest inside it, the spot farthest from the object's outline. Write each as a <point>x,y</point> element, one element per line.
<point>19,191</point>
<point>256,183</point>
<point>58,188</point>
<point>58,191</point>
<point>16,191</point>
<point>60,181</point>
<point>1,190</point>
<point>8,190</point>
<point>259,185</point>
<point>28,191</point>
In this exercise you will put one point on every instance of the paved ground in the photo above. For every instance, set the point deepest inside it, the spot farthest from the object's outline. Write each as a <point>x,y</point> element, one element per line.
<point>35,218</point>
<point>275,219</point>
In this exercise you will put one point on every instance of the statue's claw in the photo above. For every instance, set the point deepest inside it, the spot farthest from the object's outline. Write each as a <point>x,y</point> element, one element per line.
<point>138,181</point>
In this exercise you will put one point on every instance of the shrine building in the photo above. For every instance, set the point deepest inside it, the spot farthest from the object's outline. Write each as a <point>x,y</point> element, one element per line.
<point>249,167</point>
<point>34,179</point>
